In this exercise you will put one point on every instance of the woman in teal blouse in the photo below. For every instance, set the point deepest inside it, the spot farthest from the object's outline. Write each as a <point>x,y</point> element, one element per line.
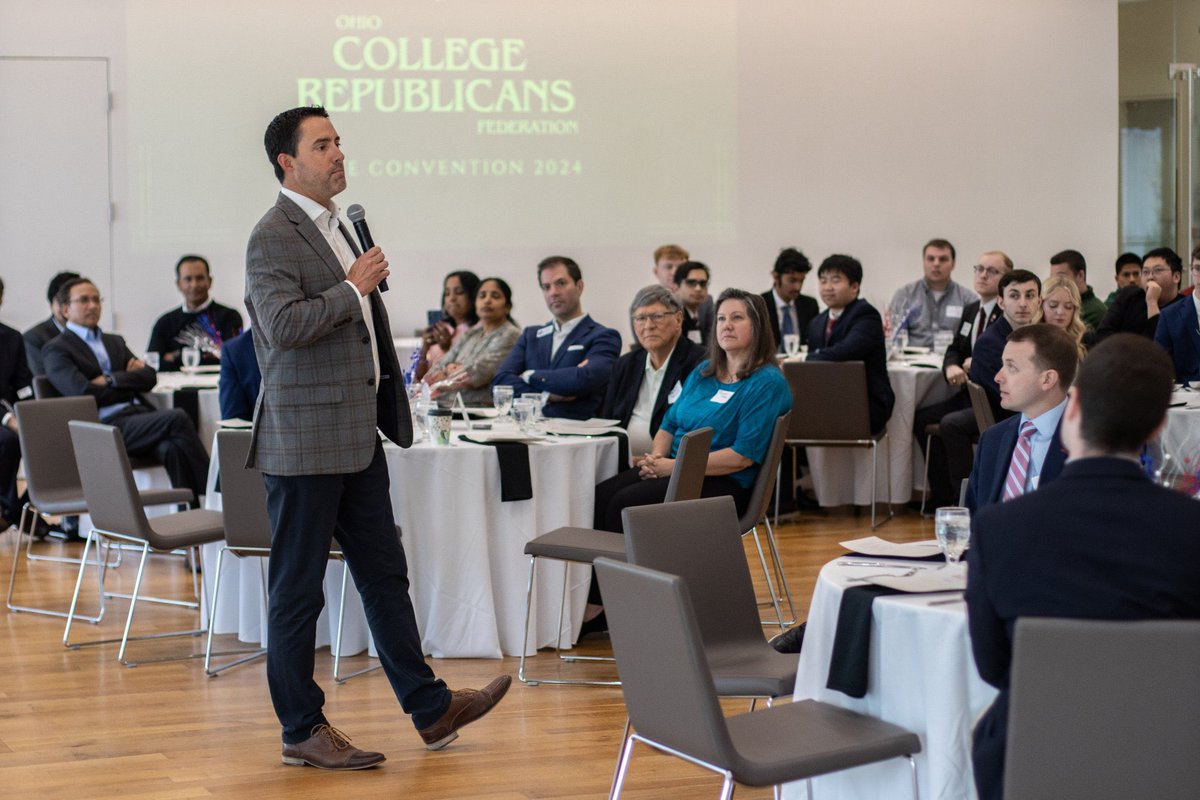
<point>738,392</point>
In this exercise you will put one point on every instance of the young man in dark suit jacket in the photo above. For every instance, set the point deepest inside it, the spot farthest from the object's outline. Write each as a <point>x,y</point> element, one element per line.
<point>1101,542</point>
<point>571,357</point>
<point>1178,333</point>
<point>37,336</point>
<point>1025,451</point>
<point>787,309</point>
<point>850,329</point>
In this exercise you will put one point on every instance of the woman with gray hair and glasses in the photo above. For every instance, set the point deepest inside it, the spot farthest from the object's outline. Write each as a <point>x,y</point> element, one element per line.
<point>648,379</point>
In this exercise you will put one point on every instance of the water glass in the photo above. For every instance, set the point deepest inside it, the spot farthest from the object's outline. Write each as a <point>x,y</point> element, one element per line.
<point>153,360</point>
<point>502,398</point>
<point>537,401</point>
<point>953,527</point>
<point>191,357</point>
<point>791,344</point>
<point>523,410</point>
<point>421,410</point>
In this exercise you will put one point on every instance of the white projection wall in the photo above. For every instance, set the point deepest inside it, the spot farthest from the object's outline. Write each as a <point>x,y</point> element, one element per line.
<point>487,134</point>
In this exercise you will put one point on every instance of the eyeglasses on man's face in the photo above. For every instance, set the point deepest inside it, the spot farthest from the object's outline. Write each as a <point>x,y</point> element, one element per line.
<point>86,299</point>
<point>1154,272</point>
<point>991,272</point>
<point>656,318</point>
<point>696,283</point>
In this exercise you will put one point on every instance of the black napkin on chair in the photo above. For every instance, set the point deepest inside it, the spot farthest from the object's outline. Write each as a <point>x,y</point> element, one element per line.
<point>852,639</point>
<point>515,480</point>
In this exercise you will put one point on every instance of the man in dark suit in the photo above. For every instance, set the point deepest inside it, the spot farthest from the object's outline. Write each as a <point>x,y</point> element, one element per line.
<point>14,380</point>
<point>850,329</point>
<point>1101,542</point>
<point>37,336</point>
<point>1178,333</point>
<point>789,311</point>
<point>331,379</point>
<point>1136,309</point>
<point>1025,451</point>
<point>571,357</point>
<point>1020,298</point>
<point>691,281</point>
<point>648,379</point>
<point>240,377</point>
<point>82,360</point>
<point>977,316</point>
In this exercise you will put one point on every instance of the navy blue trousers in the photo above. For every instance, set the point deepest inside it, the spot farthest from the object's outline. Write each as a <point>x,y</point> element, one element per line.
<point>307,512</point>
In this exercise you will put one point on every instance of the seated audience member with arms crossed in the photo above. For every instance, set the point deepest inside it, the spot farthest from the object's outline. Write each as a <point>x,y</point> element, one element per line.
<point>1025,451</point>
<point>738,392</point>
<point>852,330</point>
<point>1179,332</point>
<point>571,357</point>
<point>471,362</point>
<point>648,380</point>
<point>201,321</point>
<point>84,361</point>
<point>1101,542</point>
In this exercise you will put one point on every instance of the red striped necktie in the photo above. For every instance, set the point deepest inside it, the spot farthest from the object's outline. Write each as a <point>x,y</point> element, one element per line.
<point>1018,468</point>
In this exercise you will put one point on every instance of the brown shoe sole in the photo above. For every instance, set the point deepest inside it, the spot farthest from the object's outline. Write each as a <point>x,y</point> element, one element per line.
<point>295,761</point>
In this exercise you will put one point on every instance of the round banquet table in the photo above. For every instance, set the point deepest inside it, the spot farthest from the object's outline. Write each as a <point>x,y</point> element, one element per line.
<point>921,675</point>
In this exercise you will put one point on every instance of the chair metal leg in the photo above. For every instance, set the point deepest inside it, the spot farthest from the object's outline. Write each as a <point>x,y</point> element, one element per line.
<point>29,517</point>
<point>773,545</point>
<point>612,788</point>
<point>337,656</point>
<point>558,639</point>
<point>83,563</point>
<point>622,764</point>
<point>912,766</point>
<point>770,584</point>
<point>875,485</point>
<point>925,480</point>
<point>247,655</point>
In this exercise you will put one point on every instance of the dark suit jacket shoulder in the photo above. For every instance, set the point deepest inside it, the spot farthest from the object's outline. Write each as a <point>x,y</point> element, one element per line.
<point>1179,335</point>
<point>1127,314</point>
<point>986,359</point>
<point>629,372</point>
<point>561,375</point>
<point>14,371</point>
<point>240,377</point>
<point>993,456</point>
<point>71,365</point>
<point>35,339</point>
<point>806,311</point>
<point>960,349</point>
<point>857,336</point>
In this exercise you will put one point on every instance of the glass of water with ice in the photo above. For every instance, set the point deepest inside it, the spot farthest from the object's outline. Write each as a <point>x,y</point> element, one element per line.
<point>953,527</point>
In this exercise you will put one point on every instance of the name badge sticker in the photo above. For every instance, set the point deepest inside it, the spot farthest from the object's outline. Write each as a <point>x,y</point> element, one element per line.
<point>953,311</point>
<point>965,330</point>
<point>572,347</point>
<point>722,396</point>
<point>546,331</point>
<point>676,390</point>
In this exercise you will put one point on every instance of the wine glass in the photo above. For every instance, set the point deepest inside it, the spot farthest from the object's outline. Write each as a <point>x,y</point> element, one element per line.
<point>502,398</point>
<point>953,527</point>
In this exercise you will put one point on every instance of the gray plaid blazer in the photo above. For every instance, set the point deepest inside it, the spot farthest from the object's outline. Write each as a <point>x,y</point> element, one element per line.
<point>318,410</point>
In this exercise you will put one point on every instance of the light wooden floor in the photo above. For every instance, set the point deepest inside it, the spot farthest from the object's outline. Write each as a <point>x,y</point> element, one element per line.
<point>76,724</point>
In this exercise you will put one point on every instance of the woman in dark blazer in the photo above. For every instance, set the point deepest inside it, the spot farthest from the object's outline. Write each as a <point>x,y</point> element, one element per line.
<point>657,319</point>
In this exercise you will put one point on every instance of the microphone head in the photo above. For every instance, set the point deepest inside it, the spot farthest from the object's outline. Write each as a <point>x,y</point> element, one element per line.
<point>356,213</point>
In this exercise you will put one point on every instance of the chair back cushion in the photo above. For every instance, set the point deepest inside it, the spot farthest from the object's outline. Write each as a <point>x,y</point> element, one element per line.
<point>764,484</point>
<point>829,400</point>
<point>668,688</point>
<point>43,389</point>
<point>984,417</point>
<point>687,478</point>
<point>112,497</point>
<point>46,447</point>
<point>1104,709</point>
<point>243,494</point>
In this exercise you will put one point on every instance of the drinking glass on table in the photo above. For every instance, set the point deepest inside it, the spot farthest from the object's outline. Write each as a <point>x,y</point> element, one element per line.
<point>523,410</point>
<point>537,401</point>
<point>153,360</point>
<point>953,527</point>
<point>791,344</point>
<point>191,357</point>
<point>502,398</point>
<point>420,411</point>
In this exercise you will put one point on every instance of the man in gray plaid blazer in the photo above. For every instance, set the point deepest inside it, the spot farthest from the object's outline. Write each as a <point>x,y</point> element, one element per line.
<point>330,379</point>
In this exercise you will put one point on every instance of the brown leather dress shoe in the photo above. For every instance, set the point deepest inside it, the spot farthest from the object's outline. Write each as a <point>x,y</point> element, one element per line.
<point>329,748</point>
<point>466,706</point>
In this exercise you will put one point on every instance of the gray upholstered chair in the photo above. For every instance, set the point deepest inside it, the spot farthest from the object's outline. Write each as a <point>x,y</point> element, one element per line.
<point>52,480</point>
<point>984,417</point>
<point>118,515</point>
<point>830,409</point>
<point>584,545</point>
<point>248,534</point>
<point>756,514</point>
<point>672,701</point>
<point>1102,709</point>
<point>43,389</point>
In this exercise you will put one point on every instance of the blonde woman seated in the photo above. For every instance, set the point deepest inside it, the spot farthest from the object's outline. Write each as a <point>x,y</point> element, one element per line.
<point>471,362</point>
<point>1060,307</point>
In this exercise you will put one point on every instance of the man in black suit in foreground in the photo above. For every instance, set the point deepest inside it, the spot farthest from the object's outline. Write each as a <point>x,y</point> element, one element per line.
<point>1101,542</point>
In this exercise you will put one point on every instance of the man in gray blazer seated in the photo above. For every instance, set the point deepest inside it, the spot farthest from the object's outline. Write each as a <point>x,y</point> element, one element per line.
<point>330,378</point>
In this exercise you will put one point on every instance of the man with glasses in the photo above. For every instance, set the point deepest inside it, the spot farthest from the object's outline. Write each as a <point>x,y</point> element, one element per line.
<point>956,412</point>
<point>1136,309</point>
<point>82,360</point>
<point>1178,332</point>
<point>789,311</point>
<point>692,279</point>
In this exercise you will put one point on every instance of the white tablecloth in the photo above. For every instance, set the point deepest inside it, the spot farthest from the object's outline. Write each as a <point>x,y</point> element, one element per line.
<point>208,398</point>
<point>843,475</point>
<point>921,676</point>
<point>466,564</point>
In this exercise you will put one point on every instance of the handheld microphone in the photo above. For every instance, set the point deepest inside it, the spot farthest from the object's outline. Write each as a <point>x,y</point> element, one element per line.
<point>358,216</point>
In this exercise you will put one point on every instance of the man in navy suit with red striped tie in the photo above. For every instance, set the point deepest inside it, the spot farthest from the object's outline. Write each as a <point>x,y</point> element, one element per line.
<point>1025,451</point>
